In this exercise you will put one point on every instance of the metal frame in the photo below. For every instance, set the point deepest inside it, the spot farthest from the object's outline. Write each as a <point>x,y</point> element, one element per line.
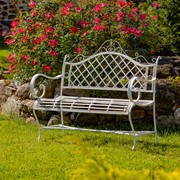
<point>108,69</point>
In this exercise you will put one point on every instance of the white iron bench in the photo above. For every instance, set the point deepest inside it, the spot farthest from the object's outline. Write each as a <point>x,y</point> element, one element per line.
<point>109,69</point>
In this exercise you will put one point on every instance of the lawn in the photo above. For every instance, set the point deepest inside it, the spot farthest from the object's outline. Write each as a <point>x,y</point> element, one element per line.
<point>70,155</point>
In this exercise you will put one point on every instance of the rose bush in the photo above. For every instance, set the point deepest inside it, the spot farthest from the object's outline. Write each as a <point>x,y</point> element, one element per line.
<point>49,30</point>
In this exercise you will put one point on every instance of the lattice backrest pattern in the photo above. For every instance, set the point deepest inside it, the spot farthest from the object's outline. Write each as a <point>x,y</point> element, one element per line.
<point>107,70</point>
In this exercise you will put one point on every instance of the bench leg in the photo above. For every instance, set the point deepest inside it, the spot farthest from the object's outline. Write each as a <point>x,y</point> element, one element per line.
<point>155,126</point>
<point>132,127</point>
<point>39,127</point>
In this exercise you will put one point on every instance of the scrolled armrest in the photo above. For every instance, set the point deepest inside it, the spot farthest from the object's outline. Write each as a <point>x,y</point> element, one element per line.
<point>33,81</point>
<point>138,90</point>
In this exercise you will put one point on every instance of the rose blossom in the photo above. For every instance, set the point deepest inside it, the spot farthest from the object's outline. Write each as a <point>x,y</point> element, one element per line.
<point>29,20</point>
<point>32,4</point>
<point>21,30</point>
<point>11,58</point>
<point>49,29</point>
<point>96,20</point>
<point>48,15</point>
<point>47,68</point>
<point>78,9</point>
<point>84,34</point>
<point>155,4</point>
<point>123,28</point>
<point>43,37</point>
<point>99,28</point>
<point>142,16</point>
<point>138,32</point>
<point>35,13</point>
<point>53,42</point>
<point>11,67</point>
<point>69,5</point>
<point>97,8</point>
<point>74,30</point>
<point>9,41</point>
<point>135,10</point>
<point>106,16</point>
<point>121,3</point>
<point>33,62</point>
<point>83,23</point>
<point>14,24</point>
<point>24,39</point>
<point>102,5</point>
<point>154,17</point>
<point>65,11</point>
<point>4,32</point>
<point>37,25</point>
<point>119,16</point>
<point>130,30</point>
<point>131,16</point>
<point>78,50</point>
<point>53,53</point>
<point>145,24</point>
<point>25,57</point>
<point>13,33</point>
<point>37,41</point>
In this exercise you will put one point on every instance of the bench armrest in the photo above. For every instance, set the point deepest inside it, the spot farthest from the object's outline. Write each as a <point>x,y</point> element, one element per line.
<point>33,81</point>
<point>132,89</point>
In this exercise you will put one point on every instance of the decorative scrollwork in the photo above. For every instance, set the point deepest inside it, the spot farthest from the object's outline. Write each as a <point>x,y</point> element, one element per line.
<point>132,89</point>
<point>41,86</point>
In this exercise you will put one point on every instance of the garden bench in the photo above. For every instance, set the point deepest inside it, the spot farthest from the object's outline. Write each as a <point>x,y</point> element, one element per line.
<point>108,69</point>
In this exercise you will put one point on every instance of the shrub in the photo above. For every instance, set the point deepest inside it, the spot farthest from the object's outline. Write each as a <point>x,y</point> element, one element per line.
<point>49,30</point>
<point>167,28</point>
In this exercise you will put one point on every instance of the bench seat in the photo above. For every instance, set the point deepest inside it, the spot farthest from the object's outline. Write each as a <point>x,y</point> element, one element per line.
<point>87,105</point>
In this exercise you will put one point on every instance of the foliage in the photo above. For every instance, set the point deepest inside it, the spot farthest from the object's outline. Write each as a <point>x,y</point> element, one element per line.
<point>168,26</point>
<point>41,38</point>
<point>74,154</point>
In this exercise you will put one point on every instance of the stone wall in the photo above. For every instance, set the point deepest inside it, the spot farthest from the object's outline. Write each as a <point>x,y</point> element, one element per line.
<point>17,101</point>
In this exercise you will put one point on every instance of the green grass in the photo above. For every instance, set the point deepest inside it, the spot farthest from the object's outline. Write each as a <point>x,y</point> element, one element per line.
<point>58,155</point>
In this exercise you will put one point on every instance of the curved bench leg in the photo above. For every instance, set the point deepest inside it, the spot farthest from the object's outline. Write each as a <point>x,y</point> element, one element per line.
<point>155,126</point>
<point>39,127</point>
<point>132,127</point>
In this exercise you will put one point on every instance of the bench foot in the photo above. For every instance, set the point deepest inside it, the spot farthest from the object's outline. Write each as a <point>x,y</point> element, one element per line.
<point>134,143</point>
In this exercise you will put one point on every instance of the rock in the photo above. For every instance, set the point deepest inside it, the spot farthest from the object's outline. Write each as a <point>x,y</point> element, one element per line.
<point>26,106</point>
<point>84,119</point>
<point>2,86</point>
<point>138,114</point>
<point>30,120</point>
<point>165,70</point>
<point>55,119</point>
<point>23,91</point>
<point>177,116</point>
<point>176,106</point>
<point>11,106</point>
<point>165,121</point>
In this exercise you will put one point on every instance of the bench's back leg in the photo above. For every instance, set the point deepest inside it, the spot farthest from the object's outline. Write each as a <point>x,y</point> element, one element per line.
<point>155,126</point>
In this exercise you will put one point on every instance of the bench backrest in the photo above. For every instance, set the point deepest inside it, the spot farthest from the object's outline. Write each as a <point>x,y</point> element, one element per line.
<point>110,68</point>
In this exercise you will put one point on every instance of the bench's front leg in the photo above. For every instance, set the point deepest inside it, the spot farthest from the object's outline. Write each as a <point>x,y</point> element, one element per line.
<point>39,126</point>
